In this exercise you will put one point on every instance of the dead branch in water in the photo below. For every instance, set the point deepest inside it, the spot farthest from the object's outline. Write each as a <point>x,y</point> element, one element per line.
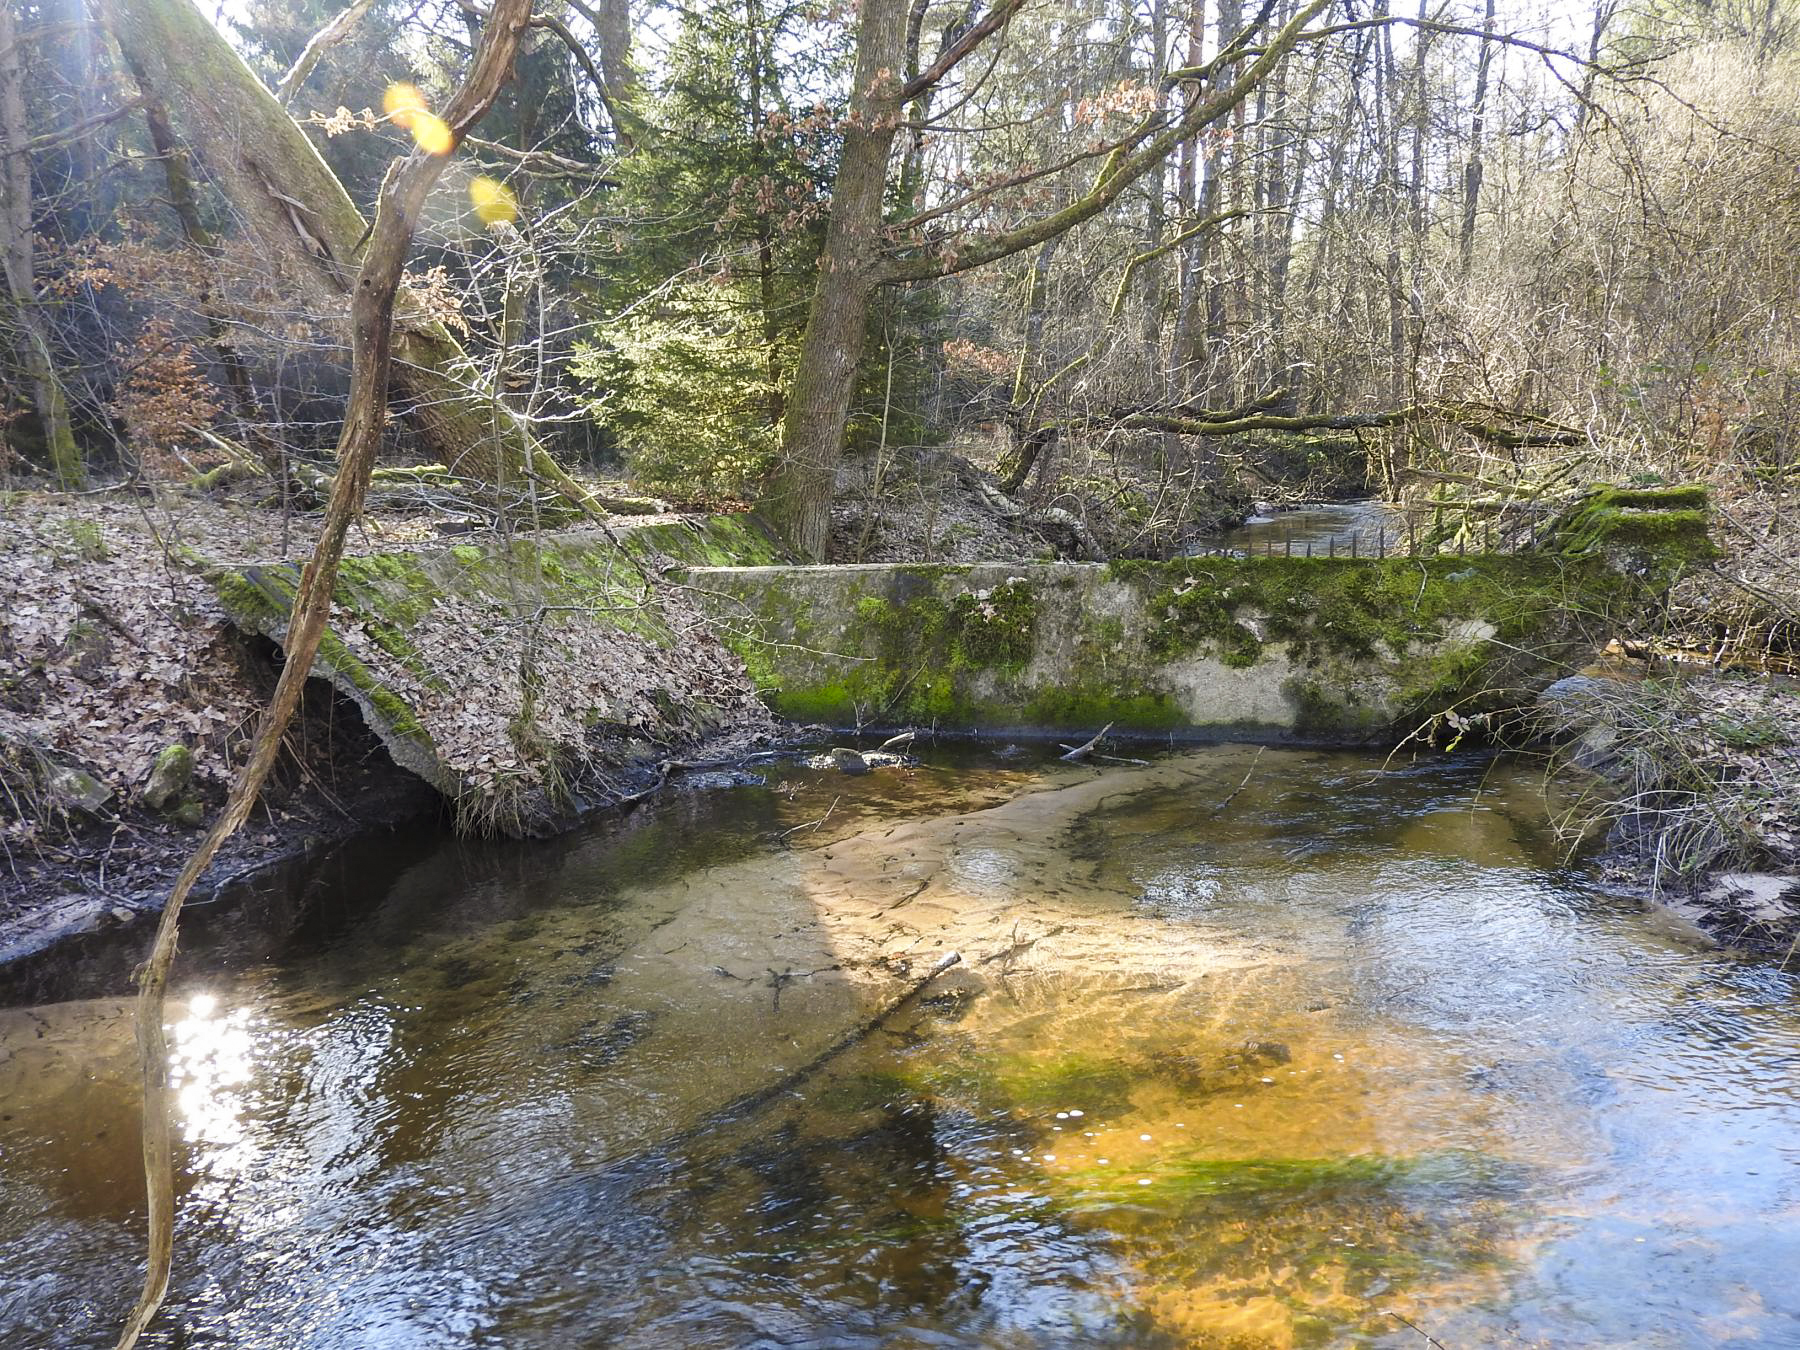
<point>812,824</point>
<point>1107,759</point>
<point>755,1101</point>
<point>1229,796</point>
<point>1081,752</point>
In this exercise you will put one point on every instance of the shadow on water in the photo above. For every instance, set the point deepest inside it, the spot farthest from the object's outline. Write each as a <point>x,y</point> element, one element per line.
<point>1243,1051</point>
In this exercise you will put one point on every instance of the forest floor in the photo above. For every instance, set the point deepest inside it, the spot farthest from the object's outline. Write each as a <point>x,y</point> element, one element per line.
<point>113,648</point>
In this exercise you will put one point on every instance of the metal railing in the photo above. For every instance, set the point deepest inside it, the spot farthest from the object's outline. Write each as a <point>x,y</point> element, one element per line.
<point>1406,534</point>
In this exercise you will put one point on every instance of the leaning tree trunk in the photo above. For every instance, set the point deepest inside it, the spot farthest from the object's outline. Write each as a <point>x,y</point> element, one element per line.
<point>373,349</point>
<point>16,250</point>
<point>309,231</point>
<point>796,502</point>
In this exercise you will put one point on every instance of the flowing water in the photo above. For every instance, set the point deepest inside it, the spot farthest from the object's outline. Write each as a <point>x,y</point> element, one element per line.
<point>1247,1048</point>
<point>1319,526</point>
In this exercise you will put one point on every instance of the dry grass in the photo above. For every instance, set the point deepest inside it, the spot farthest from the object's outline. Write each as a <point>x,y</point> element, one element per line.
<point>1687,776</point>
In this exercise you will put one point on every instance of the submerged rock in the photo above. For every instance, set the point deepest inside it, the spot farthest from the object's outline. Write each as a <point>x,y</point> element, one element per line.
<point>849,761</point>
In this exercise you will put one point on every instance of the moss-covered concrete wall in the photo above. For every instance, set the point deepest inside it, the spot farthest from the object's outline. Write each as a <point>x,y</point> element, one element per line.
<point>1321,649</point>
<point>516,675</point>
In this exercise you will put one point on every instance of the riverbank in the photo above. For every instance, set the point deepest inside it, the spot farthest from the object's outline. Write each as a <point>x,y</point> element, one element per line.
<point>1688,781</point>
<point>517,681</point>
<point>131,680</point>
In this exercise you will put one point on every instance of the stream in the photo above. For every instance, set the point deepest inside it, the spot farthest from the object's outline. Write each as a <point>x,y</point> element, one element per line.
<point>1317,526</point>
<point>1245,1048</point>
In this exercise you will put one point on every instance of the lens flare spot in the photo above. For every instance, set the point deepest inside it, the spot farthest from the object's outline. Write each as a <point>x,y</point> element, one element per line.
<point>432,133</point>
<point>494,202</point>
<point>402,103</point>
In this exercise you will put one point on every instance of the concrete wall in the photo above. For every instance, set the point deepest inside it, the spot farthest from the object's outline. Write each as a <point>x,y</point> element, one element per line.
<point>1350,651</point>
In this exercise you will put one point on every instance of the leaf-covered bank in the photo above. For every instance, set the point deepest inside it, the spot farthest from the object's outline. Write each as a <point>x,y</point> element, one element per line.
<point>531,676</point>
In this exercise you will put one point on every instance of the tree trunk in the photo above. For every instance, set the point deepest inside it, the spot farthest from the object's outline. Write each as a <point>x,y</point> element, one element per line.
<point>1475,170</point>
<point>1221,191</point>
<point>1156,210</point>
<point>1037,303</point>
<point>797,500</point>
<point>310,232</point>
<point>372,331</point>
<point>755,61</point>
<point>185,201</point>
<point>797,497</point>
<point>1197,161</point>
<point>1387,122</point>
<point>17,251</point>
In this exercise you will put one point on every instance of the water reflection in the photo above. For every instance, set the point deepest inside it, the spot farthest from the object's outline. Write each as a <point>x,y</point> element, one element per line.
<point>210,1062</point>
<point>1344,1054</point>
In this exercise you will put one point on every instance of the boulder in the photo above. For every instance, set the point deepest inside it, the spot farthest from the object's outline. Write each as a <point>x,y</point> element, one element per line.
<point>170,778</point>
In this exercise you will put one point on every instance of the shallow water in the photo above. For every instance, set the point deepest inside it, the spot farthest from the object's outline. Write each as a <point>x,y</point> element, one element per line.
<point>1374,526</point>
<point>1249,1048</point>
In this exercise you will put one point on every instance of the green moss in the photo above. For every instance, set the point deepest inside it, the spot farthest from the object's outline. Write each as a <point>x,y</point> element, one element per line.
<point>994,629</point>
<point>712,541</point>
<point>1094,1085</point>
<point>1265,1182</point>
<point>258,598</point>
<point>1324,609</point>
<point>1687,497</point>
<point>832,703</point>
<point>1091,705</point>
<point>1656,532</point>
<point>393,710</point>
<point>394,587</point>
<point>1431,633</point>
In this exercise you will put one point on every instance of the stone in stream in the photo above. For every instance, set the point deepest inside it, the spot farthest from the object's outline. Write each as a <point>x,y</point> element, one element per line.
<point>849,760</point>
<point>856,762</point>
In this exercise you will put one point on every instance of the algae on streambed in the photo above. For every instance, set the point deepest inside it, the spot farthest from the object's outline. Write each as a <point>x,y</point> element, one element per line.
<point>1255,1063</point>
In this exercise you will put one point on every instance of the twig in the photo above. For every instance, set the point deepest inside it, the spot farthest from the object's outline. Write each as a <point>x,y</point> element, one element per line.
<point>1241,786</point>
<point>1110,759</point>
<point>813,824</point>
<point>754,1101</point>
<point>906,899</point>
<point>399,206</point>
<point>1430,1340</point>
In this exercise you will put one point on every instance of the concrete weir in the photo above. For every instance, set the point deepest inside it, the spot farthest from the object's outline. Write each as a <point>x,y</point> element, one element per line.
<point>1315,649</point>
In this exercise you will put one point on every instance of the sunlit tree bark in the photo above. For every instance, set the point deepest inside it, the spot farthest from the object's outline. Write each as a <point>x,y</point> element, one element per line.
<point>310,231</point>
